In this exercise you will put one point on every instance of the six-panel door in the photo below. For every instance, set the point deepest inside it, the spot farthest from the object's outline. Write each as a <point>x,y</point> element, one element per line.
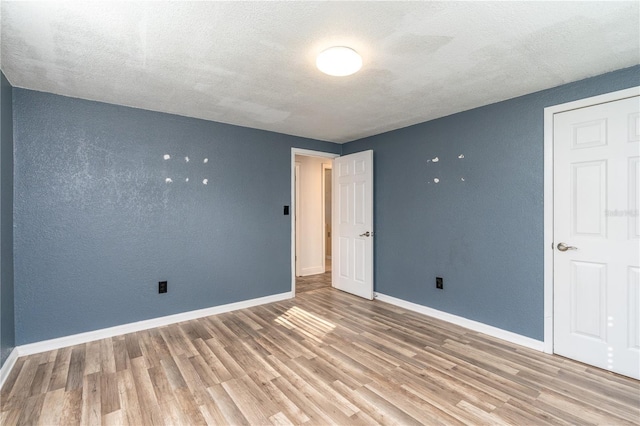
<point>596,269</point>
<point>353,224</point>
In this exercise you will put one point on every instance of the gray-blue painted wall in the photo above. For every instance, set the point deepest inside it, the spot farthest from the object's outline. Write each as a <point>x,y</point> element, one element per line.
<point>97,226</point>
<point>484,236</point>
<point>7,326</point>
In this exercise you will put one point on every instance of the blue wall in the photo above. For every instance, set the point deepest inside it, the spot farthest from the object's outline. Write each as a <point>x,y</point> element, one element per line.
<point>7,329</point>
<point>97,226</point>
<point>484,236</point>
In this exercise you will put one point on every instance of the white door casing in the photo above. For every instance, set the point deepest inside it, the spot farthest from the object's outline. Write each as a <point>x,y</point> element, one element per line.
<point>326,221</point>
<point>352,242</point>
<point>596,182</point>
<point>296,218</point>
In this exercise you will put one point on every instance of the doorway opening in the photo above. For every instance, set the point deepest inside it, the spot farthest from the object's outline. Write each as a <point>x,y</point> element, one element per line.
<point>311,219</point>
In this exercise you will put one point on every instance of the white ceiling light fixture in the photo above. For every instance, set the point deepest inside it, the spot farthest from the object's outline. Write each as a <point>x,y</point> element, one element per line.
<point>339,61</point>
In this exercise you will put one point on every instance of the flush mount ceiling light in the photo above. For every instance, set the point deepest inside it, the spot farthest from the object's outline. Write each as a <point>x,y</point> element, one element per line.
<point>339,61</point>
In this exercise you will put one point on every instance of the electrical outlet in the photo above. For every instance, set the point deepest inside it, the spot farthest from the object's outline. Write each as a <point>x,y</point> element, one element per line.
<point>439,283</point>
<point>162,287</point>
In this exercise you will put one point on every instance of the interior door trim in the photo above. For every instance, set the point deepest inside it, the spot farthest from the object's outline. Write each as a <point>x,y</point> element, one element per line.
<point>549,112</point>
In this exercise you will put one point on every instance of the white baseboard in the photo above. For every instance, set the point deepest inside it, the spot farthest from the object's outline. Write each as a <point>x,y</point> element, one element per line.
<point>314,270</point>
<point>7,366</point>
<point>509,336</point>
<point>76,339</point>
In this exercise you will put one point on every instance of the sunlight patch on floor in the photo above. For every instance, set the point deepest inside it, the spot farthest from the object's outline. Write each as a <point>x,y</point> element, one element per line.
<point>305,322</point>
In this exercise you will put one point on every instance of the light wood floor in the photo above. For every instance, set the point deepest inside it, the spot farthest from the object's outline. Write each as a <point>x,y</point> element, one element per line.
<point>313,282</point>
<point>324,357</point>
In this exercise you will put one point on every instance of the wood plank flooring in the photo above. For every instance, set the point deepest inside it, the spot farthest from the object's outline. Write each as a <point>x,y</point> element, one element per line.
<point>325,357</point>
<point>313,282</point>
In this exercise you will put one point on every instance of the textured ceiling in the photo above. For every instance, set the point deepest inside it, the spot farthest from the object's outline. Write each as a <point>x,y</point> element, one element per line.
<point>253,63</point>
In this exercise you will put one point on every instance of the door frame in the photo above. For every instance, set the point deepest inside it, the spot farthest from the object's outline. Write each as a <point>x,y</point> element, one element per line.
<point>309,153</point>
<point>296,206</point>
<point>548,195</point>
<point>325,167</point>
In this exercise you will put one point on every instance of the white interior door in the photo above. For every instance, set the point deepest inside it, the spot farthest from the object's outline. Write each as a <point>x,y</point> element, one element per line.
<point>596,235</point>
<point>352,242</point>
